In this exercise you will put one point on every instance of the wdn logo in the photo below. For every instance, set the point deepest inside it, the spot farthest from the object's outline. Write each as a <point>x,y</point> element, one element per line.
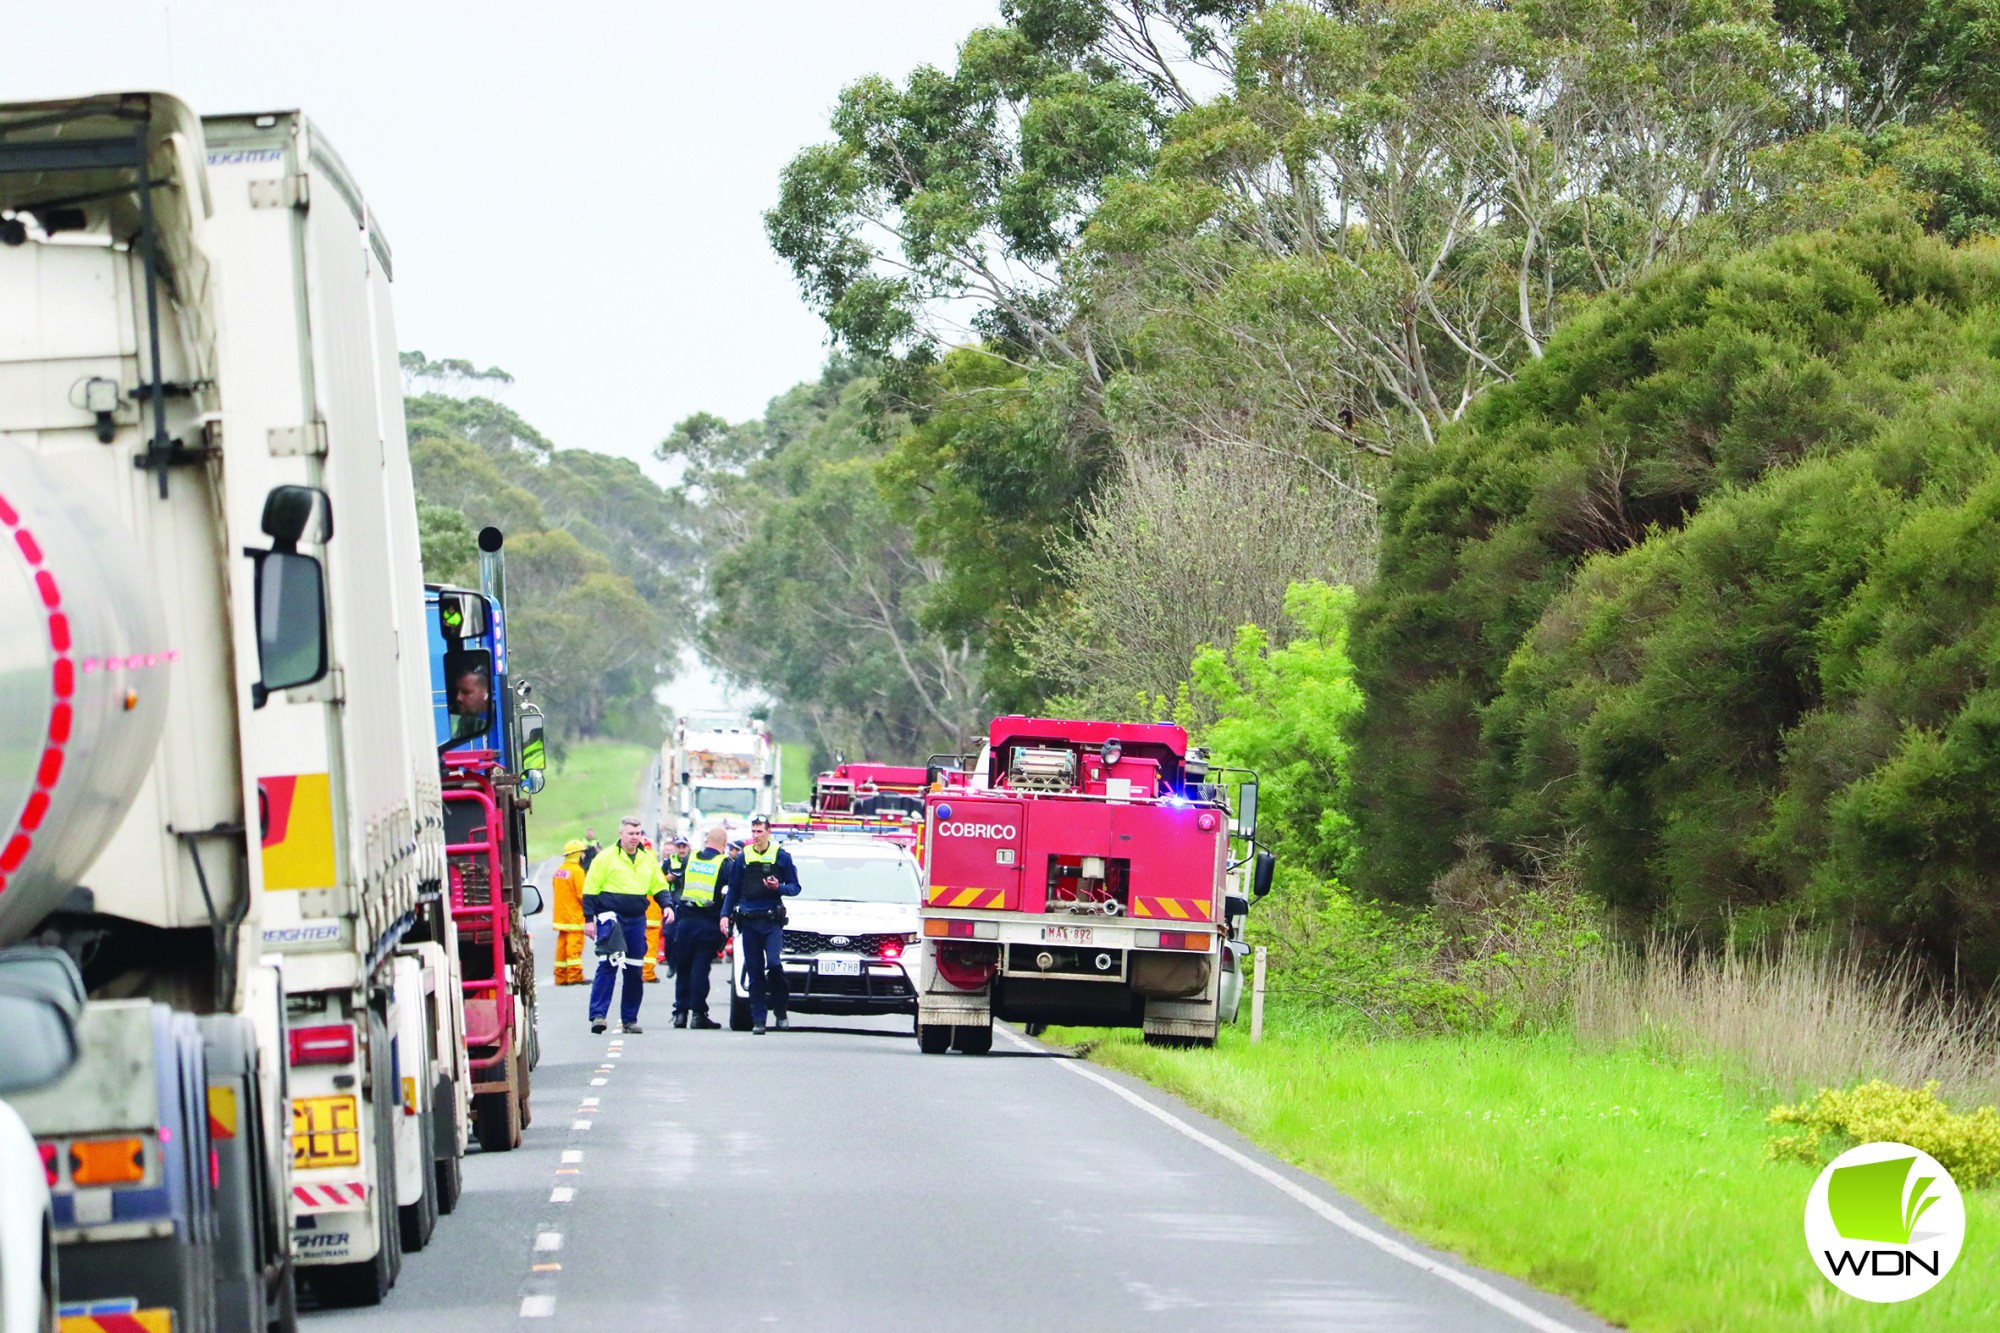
<point>1885,1222</point>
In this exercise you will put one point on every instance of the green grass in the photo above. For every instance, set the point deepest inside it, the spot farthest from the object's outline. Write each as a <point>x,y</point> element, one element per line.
<point>1633,1184</point>
<point>795,773</point>
<point>596,783</point>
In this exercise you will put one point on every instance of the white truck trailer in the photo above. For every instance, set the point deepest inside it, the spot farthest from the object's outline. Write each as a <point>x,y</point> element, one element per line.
<point>211,557</point>
<point>716,768</point>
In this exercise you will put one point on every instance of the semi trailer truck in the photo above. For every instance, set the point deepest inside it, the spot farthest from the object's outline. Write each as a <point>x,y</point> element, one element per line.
<point>218,791</point>
<point>491,752</point>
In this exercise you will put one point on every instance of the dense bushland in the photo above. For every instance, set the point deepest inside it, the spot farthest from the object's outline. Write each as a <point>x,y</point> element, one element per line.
<point>1709,593</point>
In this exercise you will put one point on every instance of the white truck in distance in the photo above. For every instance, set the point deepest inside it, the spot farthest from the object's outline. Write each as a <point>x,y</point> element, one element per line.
<point>218,791</point>
<point>716,769</point>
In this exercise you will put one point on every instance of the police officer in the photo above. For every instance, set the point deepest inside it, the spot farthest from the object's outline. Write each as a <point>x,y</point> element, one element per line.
<point>660,938</point>
<point>697,931</point>
<point>622,880</point>
<point>760,881</point>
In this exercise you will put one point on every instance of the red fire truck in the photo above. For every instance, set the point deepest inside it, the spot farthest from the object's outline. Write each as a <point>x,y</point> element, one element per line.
<point>885,800</point>
<point>1081,873</point>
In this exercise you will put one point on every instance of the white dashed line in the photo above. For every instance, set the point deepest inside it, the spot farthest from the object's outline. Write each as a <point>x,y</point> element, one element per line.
<point>1389,1245</point>
<point>571,1156</point>
<point>579,1124</point>
<point>548,1240</point>
<point>599,1082</point>
<point>590,1101</point>
<point>562,1194</point>
<point>537,1307</point>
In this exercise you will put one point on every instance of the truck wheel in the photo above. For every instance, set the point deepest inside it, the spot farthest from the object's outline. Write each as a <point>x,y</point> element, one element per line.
<point>348,1285</point>
<point>496,1119</point>
<point>450,1182</point>
<point>521,1097</point>
<point>739,1014</point>
<point>1034,1029</point>
<point>973,1040</point>
<point>281,1308</point>
<point>416,1221</point>
<point>933,1038</point>
<point>444,1143</point>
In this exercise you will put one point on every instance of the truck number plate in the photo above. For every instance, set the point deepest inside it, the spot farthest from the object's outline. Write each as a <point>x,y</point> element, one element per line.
<point>1065,934</point>
<point>840,967</point>
<point>325,1132</point>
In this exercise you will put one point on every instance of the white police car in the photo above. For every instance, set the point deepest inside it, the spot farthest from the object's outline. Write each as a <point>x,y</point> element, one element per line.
<point>847,933</point>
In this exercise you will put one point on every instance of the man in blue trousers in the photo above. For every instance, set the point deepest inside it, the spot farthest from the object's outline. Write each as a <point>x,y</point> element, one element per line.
<point>621,881</point>
<point>759,884</point>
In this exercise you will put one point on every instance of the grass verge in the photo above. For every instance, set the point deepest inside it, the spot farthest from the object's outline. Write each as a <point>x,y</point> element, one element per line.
<point>596,783</point>
<point>1630,1180</point>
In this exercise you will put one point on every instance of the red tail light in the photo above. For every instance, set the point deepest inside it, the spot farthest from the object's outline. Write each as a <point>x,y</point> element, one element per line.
<point>50,1156</point>
<point>329,1045</point>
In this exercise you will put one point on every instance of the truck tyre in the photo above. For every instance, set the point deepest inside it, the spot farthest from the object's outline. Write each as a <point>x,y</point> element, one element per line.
<point>973,1040</point>
<point>282,1307</point>
<point>496,1120</point>
<point>933,1038</point>
<point>417,1220</point>
<point>444,1144</point>
<point>521,1097</point>
<point>739,1013</point>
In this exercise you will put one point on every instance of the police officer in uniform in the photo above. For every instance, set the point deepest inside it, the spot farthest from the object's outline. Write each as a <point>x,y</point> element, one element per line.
<point>698,927</point>
<point>622,881</point>
<point>762,878</point>
<point>660,939</point>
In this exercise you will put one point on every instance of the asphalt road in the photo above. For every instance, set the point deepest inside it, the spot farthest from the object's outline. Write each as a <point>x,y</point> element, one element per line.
<point>832,1177</point>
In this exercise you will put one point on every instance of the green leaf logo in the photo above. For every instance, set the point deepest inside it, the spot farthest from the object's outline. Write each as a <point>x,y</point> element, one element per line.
<point>1868,1201</point>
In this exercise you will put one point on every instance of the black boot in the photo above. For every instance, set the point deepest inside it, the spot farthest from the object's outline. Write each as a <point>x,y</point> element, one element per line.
<point>680,1018</point>
<point>703,1021</point>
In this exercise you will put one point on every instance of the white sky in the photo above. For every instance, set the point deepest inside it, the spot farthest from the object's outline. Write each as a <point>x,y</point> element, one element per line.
<point>572,191</point>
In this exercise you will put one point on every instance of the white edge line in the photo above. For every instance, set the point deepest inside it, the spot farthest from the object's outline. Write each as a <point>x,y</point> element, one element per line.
<point>1389,1245</point>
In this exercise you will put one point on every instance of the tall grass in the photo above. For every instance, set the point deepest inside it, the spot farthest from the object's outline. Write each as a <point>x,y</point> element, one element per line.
<point>1792,1018</point>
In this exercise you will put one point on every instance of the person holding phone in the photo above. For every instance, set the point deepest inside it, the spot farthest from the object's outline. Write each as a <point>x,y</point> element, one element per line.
<point>760,881</point>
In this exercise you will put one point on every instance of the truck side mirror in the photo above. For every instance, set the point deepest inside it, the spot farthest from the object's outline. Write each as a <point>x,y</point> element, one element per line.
<point>291,622</point>
<point>1266,871</point>
<point>1235,905</point>
<point>461,615</point>
<point>1246,809</point>
<point>534,751</point>
<point>532,903</point>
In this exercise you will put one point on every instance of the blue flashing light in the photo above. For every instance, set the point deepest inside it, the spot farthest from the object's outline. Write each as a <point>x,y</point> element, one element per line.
<point>943,813</point>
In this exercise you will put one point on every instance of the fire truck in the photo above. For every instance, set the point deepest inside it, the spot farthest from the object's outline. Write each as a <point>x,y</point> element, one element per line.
<point>883,800</point>
<point>490,753</point>
<point>1081,873</point>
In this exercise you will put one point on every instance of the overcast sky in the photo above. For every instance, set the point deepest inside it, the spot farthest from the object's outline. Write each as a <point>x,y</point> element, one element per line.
<point>572,191</point>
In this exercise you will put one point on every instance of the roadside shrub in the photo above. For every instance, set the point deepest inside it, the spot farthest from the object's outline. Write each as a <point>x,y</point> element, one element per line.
<point>1516,941</point>
<point>1330,949</point>
<point>1966,1145</point>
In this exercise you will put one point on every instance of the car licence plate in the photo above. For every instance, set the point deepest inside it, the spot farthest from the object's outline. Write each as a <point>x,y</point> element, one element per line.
<point>840,967</point>
<point>1065,934</point>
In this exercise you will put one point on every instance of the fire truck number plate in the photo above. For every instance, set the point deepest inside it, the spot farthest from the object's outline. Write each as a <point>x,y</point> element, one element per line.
<point>1065,934</point>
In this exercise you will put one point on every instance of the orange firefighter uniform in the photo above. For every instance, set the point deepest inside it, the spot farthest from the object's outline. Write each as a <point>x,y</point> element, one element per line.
<point>569,915</point>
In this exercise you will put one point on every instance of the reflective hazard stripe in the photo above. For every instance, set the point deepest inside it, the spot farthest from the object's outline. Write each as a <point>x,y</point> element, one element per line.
<point>1170,909</point>
<point>329,1198</point>
<point>120,1321</point>
<point>940,896</point>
